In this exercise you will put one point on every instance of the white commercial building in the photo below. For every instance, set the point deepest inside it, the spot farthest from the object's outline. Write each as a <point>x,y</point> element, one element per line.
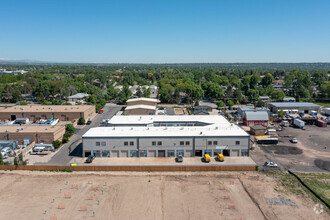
<point>166,136</point>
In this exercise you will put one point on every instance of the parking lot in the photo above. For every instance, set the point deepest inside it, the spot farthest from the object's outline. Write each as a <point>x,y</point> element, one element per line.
<point>310,154</point>
<point>164,161</point>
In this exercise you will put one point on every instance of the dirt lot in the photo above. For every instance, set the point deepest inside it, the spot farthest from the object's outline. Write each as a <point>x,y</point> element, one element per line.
<point>308,155</point>
<point>213,195</point>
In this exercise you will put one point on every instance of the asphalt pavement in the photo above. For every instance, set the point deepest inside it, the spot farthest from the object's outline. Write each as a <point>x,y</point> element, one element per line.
<point>74,147</point>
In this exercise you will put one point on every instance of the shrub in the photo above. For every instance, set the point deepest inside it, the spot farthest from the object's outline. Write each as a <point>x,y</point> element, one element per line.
<point>65,140</point>
<point>57,144</point>
<point>81,121</point>
<point>20,157</point>
<point>15,161</point>
<point>1,159</point>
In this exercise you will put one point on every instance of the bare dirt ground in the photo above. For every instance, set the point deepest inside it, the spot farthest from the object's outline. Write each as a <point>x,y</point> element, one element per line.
<point>119,195</point>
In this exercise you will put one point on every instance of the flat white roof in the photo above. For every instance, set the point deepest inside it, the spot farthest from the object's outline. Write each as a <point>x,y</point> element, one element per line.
<point>143,99</point>
<point>216,126</point>
<point>149,119</point>
<point>141,106</point>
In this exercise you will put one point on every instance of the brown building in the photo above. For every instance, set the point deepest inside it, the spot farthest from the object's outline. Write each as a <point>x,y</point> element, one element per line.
<point>258,130</point>
<point>140,110</point>
<point>39,134</point>
<point>61,112</point>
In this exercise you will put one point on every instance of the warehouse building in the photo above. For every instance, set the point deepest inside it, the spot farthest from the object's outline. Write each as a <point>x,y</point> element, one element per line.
<point>35,112</point>
<point>28,134</point>
<point>166,136</point>
<point>304,107</point>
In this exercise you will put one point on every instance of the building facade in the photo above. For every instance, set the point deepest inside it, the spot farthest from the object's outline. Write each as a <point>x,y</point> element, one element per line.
<point>37,134</point>
<point>304,107</point>
<point>166,136</point>
<point>35,112</point>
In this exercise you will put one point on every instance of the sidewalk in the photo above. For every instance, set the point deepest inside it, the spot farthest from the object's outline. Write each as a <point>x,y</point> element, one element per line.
<point>164,161</point>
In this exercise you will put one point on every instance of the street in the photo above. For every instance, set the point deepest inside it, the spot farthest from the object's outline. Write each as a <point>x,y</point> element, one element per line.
<point>74,146</point>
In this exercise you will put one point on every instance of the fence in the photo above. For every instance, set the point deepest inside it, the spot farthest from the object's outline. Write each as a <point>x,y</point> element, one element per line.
<point>129,168</point>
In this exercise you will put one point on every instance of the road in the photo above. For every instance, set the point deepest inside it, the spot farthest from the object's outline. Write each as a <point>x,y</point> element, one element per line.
<point>73,147</point>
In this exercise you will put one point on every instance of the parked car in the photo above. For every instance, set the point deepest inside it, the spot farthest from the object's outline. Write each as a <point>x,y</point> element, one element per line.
<point>294,140</point>
<point>179,158</point>
<point>90,159</point>
<point>270,164</point>
<point>89,122</point>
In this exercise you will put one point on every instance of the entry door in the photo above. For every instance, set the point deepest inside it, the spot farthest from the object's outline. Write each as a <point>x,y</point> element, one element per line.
<point>161,153</point>
<point>198,153</point>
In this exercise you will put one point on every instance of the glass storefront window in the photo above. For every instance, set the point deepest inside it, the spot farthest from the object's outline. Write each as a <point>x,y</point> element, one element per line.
<point>208,152</point>
<point>105,153</point>
<point>216,152</point>
<point>180,152</point>
<point>143,153</point>
<point>97,153</point>
<point>133,153</point>
<point>171,153</point>
<point>244,153</point>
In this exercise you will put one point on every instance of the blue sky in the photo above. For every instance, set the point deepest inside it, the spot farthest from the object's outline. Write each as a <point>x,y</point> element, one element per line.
<point>166,31</point>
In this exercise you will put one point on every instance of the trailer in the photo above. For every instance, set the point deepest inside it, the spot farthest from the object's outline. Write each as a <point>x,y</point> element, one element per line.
<point>321,123</point>
<point>299,123</point>
<point>327,111</point>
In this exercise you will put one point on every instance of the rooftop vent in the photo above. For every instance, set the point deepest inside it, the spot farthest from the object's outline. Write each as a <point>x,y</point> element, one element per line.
<point>201,132</point>
<point>46,129</point>
<point>6,130</point>
<point>17,130</point>
<point>22,129</point>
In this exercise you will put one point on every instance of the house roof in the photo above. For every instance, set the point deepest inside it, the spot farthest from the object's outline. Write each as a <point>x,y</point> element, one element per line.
<point>202,107</point>
<point>203,112</point>
<point>292,104</point>
<point>257,116</point>
<point>79,96</point>
<point>143,99</point>
<point>258,127</point>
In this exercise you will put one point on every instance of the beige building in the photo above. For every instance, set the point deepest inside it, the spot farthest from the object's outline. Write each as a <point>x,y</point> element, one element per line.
<point>142,101</point>
<point>39,134</point>
<point>61,112</point>
<point>141,106</point>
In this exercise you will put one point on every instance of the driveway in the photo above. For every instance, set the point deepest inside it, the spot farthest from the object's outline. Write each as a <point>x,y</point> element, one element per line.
<point>74,147</point>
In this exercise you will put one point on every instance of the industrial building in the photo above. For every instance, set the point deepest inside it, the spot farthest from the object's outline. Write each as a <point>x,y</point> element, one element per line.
<point>32,133</point>
<point>303,107</point>
<point>141,106</point>
<point>166,136</point>
<point>35,112</point>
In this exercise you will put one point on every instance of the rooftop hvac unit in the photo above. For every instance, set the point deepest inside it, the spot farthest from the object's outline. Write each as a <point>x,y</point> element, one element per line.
<point>46,129</point>
<point>17,130</point>
<point>22,129</point>
<point>6,130</point>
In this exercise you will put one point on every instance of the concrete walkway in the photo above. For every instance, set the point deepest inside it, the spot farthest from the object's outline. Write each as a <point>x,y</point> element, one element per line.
<point>164,161</point>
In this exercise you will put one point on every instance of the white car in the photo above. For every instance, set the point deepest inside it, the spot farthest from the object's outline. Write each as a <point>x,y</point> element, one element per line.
<point>270,164</point>
<point>294,140</point>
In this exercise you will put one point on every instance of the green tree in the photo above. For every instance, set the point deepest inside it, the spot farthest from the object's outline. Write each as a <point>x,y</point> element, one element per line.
<point>15,161</point>
<point>1,159</point>
<point>146,92</point>
<point>277,95</point>
<point>230,103</point>
<point>220,104</point>
<point>70,129</point>
<point>280,113</point>
<point>267,80</point>
<point>253,95</point>
<point>81,121</point>
<point>138,92</point>
<point>57,144</point>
